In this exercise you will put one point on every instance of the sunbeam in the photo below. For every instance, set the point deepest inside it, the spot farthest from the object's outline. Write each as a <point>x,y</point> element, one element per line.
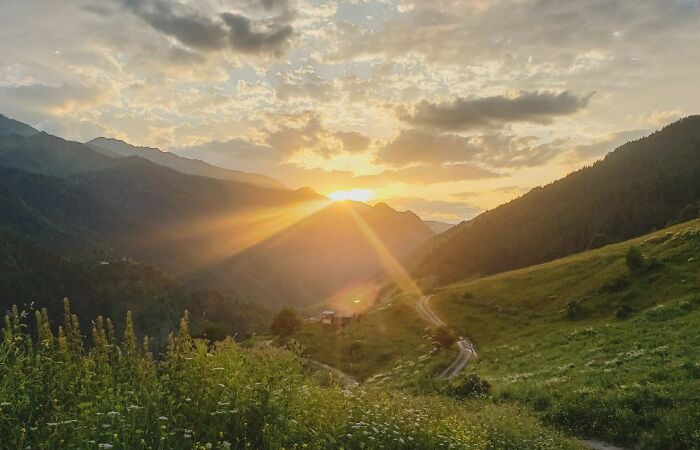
<point>393,268</point>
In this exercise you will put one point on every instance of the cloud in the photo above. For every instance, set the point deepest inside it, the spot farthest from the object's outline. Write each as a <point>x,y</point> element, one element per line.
<point>200,32</point>
<point>497,150</point>
<point>661,118</point>
<point>314,137</point>
<point>304,83</point>
<point>439,210</point>
<point>47,99</point>
<point>244,38</point>
<point>428,174</point>
<point>514,151</point>
<point>425,146</point>
<point>353,141</point>
<point>607,143</point>
<point>468,113</point>
<point>235,153</point>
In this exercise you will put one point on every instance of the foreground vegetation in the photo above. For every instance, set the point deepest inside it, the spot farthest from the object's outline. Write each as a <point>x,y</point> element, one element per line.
<point>59,391</point>
<point>601,344</point>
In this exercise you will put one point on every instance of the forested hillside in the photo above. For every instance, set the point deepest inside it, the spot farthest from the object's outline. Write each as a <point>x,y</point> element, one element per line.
<point>270,246</point>
<point>641,186</point>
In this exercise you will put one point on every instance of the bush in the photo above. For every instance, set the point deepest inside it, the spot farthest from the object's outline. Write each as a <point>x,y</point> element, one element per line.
<point>444,337</point>
<point>468,386</point>
<point>634,260</point>
<point>285,323</point>
<point>59,392</point>
<point>573,310</point>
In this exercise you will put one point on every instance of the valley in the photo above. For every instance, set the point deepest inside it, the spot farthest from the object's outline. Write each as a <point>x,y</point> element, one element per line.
<point>583,339</point>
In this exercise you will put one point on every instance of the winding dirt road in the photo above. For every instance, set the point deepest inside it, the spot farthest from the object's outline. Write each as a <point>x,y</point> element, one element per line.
<point>347,381</point>
<point>466,348</point>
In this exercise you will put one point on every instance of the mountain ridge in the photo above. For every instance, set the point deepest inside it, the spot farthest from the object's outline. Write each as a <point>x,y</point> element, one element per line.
<point>118,148</point>
<point>641,186</point>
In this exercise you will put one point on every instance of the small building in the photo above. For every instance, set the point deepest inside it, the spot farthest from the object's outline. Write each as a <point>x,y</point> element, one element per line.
<point>331,318</point>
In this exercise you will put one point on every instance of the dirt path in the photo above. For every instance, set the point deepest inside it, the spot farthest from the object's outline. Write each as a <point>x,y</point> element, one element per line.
<point>599,445</point>
<point>466,351</point>
<point>466,348</point>
<point>345,379</point>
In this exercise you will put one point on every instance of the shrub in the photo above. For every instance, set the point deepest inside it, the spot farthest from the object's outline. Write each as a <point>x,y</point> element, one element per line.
<point>444,337</point>
<point>615,285</point>
<point>573,310</point>
<point>285,323</point>
<point>634,260</point>
<point>468,385</point>
<point>58,392</point>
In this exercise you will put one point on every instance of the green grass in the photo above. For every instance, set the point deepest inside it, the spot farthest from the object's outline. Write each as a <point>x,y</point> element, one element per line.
<point>61,391</point>
<point>593,348</point>
<point>391,343</point>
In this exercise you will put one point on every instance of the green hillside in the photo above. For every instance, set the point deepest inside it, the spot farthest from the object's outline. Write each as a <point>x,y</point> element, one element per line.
<point>594,347</point>
<point>390,344</point>
<point>642,186</point>
<point>34,275</point>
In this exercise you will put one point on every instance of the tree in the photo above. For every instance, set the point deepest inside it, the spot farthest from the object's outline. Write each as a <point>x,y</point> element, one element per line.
<point>634,259</point>
<point>468,386</point>
<point>285,323</point>
<point>444,337</point>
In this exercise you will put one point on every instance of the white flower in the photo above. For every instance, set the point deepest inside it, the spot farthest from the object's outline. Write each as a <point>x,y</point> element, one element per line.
<point>107,446</point>
<point>162,418</point>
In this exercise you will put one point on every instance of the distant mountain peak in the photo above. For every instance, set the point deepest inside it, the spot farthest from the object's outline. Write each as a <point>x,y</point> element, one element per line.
<point>116,148</point>
<point>10,126</point>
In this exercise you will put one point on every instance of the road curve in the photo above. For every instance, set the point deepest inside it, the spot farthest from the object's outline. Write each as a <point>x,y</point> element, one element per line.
<point>466,351</point>
<point>466,348</point>
<point>347,381</point>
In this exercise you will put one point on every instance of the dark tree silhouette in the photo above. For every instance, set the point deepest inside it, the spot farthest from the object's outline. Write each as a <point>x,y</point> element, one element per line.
<point>285,323</point>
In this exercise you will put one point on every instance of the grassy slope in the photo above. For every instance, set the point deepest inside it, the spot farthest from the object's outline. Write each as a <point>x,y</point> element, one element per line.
<point>66,393</point>
<point>595,349</point>
<point>387,340</point>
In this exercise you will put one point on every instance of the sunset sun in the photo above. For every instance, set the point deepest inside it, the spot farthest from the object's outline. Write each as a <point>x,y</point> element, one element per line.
<point>356,195</point>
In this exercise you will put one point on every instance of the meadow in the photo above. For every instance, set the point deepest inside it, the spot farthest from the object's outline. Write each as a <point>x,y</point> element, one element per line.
<point>592,346</point>
<point>390,343</point>
<point>60,390</point>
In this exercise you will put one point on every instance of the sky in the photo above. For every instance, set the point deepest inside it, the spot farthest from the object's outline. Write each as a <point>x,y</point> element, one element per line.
<point>444,107</point>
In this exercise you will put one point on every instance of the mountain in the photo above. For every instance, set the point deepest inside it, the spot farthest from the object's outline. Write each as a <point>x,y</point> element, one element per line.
<point>9,126</point>
<point>438,227</point>
<point>332,249</point>
<point>54,238</point>
<point>49,155</point>
<point>270,246</point>
<point>642,186</point>
<point>120,149</point>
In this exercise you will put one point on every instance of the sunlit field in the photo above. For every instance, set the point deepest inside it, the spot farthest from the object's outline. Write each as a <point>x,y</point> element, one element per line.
<point>60,390</point>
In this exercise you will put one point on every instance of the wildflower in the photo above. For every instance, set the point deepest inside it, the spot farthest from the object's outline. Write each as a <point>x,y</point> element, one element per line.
<point>105,446</point>
<point>162,418</point>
